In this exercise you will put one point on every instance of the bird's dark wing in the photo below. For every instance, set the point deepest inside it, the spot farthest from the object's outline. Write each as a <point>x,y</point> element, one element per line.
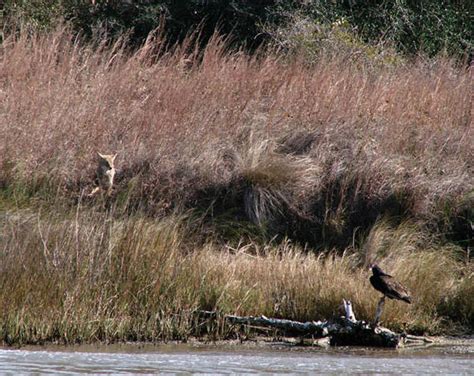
<point>394,289</point>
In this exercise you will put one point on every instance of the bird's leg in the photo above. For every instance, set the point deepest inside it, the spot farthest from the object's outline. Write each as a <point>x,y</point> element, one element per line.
<point>379,310</point>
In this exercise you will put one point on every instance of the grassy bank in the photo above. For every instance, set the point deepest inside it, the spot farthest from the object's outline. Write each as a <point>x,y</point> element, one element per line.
<point>247,184</point>
<point>89,277</point>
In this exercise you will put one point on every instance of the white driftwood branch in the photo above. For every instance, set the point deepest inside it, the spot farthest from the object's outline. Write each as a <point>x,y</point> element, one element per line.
<point>316,328</point>
<point>414,339</point>
<point>343,331</point>
<point>348,309</point>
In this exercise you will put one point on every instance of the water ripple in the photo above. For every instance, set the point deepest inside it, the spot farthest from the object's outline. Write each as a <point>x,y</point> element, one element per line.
<point>226,362</point>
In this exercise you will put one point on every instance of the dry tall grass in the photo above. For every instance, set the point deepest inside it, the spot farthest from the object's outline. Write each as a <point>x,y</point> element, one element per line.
<point>255,145</point>
<point>88,277</point>
<point>329,140</point>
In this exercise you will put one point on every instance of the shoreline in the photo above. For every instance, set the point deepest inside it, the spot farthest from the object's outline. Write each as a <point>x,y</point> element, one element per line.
<point>451,344</point>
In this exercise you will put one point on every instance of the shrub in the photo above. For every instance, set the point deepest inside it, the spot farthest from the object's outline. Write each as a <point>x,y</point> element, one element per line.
<point>138,18</point>
<point>427,27</point>
<point>411,27</point>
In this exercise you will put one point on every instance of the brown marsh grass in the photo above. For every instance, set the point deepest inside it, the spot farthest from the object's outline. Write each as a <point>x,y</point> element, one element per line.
<point>256,148</point>
<point>89,277</point>
<point>331,136</point>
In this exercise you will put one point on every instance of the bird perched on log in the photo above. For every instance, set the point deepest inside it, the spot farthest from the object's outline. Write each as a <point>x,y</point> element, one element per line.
<point>387,285</point>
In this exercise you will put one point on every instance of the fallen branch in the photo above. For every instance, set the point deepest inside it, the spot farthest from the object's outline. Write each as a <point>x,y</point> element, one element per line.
<point>414,339</point>
<point>344,331</point>
<point>317,329</point>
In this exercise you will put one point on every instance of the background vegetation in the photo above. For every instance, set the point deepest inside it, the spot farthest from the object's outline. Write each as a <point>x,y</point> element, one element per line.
<point>248,183</point>
<point>411,27</point>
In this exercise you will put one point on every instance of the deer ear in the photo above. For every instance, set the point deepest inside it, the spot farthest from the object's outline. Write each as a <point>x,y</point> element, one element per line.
<point>101,155</point>
<point>114,156</point>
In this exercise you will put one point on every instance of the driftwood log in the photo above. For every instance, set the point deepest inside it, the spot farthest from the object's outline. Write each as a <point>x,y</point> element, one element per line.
<point>344,331</point>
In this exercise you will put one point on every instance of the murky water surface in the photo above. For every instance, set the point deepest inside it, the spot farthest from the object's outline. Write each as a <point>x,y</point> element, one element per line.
<point>188,359</point>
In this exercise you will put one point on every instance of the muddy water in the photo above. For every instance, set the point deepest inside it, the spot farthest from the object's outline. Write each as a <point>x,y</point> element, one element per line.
<point>188,359</point>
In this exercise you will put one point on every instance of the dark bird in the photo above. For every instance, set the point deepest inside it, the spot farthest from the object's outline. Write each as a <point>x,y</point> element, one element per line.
<point>387,285</point>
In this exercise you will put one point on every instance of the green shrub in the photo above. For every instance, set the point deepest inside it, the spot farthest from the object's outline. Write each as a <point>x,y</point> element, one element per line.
<point>139,18</point>
<point>429,27</point>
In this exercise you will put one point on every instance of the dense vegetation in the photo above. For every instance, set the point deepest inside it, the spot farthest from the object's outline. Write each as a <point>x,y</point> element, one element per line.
<point>430,27</point>
<point>248,183</point>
